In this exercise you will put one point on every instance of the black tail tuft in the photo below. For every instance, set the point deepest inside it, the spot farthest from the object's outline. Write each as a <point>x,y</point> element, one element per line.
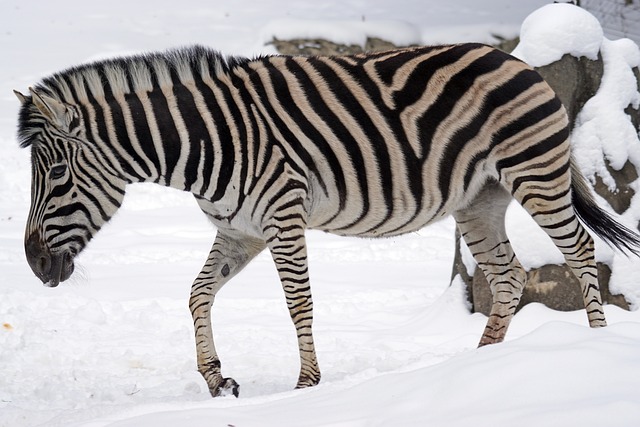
<point>599,221</point>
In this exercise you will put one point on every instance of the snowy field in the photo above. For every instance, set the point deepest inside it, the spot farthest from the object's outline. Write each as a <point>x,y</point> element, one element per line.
<point>113,346</point>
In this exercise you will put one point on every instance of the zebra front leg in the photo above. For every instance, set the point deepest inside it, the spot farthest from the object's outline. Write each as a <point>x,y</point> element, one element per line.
<point>228,255</point>
<point>289,251</point>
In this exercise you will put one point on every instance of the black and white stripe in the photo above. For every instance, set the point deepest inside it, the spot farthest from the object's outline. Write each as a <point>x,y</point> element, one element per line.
<point>366,145</point>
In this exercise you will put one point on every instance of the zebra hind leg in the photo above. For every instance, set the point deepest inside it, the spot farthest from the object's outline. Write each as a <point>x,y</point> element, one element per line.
<point>550,205</point>
<point>482,227</point>
<point>227,257</point>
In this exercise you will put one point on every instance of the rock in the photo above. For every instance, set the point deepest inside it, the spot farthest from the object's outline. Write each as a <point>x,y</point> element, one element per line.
<point>620,199</point>
<point>326,47</point>
<point>506,45</point>
<point>313,47</point>
<point>553,285</point>
<point>634,113</point>
<point>575,81</point>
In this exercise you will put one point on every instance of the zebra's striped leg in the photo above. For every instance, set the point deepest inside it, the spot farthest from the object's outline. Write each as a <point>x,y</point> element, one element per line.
<point>555,215</point>
<point>228,255</point>
<point>482,227</point>
<point>289,251</point>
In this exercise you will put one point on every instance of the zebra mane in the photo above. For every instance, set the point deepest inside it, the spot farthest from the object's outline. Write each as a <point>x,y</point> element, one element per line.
<point>104,80</point>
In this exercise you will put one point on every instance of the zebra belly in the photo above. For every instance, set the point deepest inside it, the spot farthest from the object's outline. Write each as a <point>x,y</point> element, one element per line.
<point>395,225</point>
<point>377,219</point>
<point>380,217</point>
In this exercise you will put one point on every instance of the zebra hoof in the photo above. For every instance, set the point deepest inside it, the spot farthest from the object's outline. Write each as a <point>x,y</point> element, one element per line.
<point>227,387</point>
<point>307,381</point>
<point>488,340</point>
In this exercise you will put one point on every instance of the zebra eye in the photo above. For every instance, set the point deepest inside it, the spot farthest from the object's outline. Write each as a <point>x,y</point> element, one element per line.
<point>58,171</point>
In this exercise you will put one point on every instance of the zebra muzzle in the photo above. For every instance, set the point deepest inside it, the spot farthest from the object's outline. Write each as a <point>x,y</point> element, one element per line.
<point>50,267</point>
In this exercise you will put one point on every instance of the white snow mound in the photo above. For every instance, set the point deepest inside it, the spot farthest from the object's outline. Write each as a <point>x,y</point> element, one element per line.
<point>555,30</point>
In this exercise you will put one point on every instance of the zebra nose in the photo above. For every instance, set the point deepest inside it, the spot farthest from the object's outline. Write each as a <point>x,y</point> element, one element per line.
<point>38,257</point>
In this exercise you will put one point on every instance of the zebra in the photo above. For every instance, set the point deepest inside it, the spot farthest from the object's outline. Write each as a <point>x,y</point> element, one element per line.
<point>369,145</point>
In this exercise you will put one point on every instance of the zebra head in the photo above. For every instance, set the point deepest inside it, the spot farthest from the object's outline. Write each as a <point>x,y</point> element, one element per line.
<point>74,189</point>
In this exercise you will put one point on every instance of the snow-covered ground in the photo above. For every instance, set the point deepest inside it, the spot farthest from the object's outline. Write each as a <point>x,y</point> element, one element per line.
<point>113,346</point>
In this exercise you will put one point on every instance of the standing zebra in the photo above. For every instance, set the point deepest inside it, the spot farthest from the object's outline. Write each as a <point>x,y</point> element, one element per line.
<point>366,145</point>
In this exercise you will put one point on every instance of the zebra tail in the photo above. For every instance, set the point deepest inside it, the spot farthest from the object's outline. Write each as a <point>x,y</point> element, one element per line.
<point>597,219</point>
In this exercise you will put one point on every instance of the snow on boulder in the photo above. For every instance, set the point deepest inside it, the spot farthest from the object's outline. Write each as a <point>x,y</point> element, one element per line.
<point>603,128</point>
<point>558,29</point>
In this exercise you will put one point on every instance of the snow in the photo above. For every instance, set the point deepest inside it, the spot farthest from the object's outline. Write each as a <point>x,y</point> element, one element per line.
<point>558,29</point>
<point>114,346</point>
<point>431,389</point>
<point>603,126</point>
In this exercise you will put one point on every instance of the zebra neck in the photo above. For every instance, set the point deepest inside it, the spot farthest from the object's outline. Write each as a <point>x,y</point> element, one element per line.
<point>176,136</point>
<point>177,118</point>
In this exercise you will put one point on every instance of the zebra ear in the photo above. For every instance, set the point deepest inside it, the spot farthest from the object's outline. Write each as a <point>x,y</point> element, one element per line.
<point>23,99</point>
<point>53,110</point>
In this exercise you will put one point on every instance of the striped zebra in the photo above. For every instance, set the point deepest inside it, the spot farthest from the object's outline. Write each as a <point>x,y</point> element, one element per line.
<point>367,145</point>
